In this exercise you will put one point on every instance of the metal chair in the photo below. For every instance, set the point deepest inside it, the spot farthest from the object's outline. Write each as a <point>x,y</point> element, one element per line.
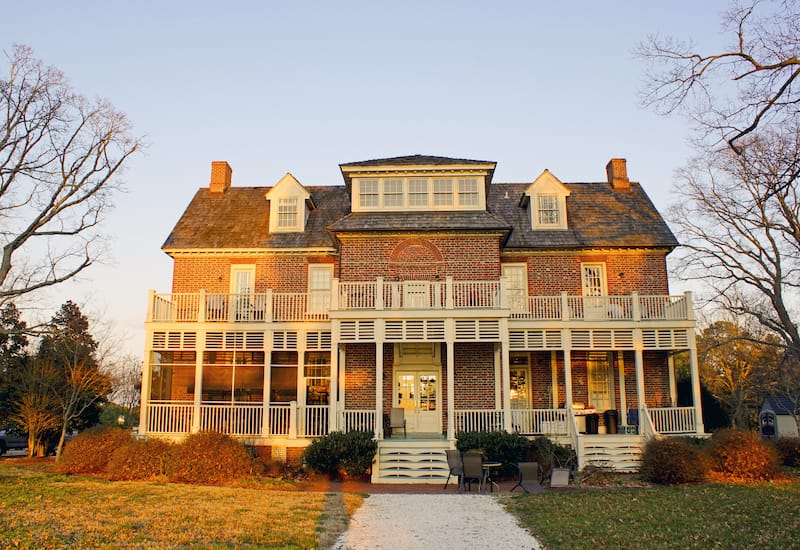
<point>529,477</point>
<point>455,465</point>
<point>397,419</point>
<point>473,470</point>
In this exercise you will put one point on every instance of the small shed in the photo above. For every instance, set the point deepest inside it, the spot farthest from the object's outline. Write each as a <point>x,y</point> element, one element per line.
<point>777,419</point>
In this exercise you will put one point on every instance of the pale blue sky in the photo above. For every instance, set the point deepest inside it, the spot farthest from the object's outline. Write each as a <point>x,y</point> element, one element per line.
<point>300,87</point>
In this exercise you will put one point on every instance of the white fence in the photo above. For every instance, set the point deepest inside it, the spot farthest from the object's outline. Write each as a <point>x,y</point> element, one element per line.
<point>539,421</point>
<point>170,418</point>
<point>673,420</point>
<point>231,418</point>
<point>479,420</point>
<point>357,420</point>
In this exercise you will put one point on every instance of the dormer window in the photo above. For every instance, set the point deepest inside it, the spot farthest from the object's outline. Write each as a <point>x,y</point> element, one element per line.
<point>546,200</point>
<point>418,193</point>
<point>442,192</point>
<point>548,210</point>
<point>287,213</point>
<point>468,192</point>
<point>290,203</point>
<point>368,193</point>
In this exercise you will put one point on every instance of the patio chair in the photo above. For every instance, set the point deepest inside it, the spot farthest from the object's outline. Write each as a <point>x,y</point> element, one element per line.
<point>473,471</point>
<point>529,477</point>
<point>397,419</point>
<point>455,465</point>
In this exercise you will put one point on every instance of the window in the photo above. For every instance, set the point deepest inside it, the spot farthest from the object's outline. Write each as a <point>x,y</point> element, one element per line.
<point>287,213</point>
<point>600,381</point>
<point>468,192</point>
<point>368,193</point>
<point>548,210</point>
<point>593,279</point>
<point>393,192</point>
<point>417,192</point>
<point>442,192</point>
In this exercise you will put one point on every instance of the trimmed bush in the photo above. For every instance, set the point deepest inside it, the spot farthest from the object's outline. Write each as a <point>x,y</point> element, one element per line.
<point>351,453</point>
<point>210,458</point>
<point>741,456</point>
<point>789,451</point>
<point>140,460</point>
<point>498,446</point>
<point>89,452</point>
<point>672,461</point>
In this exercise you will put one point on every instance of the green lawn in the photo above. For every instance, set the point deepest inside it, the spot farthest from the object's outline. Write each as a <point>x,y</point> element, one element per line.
<point>701,516</point>
<point>39,509</point>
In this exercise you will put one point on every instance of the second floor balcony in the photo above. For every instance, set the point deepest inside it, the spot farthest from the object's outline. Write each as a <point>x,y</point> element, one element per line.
<point>406,297</point>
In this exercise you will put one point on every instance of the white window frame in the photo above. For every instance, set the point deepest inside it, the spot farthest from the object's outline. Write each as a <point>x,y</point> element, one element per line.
<point>418,189</point>
<point>394,189</point>
<point>588,288</point>
<point>417,193</point>
<point>548,214</point>
<point>288,209</point>
<point>369,194</point>
<point>600,363</point>
<point>443,189</point>
<point>319,298</point>
<point>463,192</point>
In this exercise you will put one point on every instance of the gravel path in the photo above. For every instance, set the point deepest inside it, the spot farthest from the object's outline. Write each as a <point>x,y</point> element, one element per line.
<point>418,522</point>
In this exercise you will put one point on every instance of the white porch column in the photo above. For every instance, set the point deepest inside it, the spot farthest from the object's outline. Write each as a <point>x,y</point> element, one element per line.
<point>266,428</point>
<point>505,376</point>
<point>554,379</point>
<point>451,388</point>
<point>695,375</point>
<point>638,363</point>
<point>566,337</point>
<point>151,300</point>
<point>300,405</point>
<point>379,389</point>
<point>623,400</point>
<point>198,380</point>
<point>147,366</point>
<point>333,394</point>
<point>673,385</point>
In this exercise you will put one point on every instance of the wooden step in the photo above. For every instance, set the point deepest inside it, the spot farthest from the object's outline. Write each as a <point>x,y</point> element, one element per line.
<point>411,462</point>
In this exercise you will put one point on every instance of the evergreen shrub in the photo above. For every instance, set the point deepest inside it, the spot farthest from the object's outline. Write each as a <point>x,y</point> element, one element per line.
<point>789,451</point>
<point>497,446</point>
<point>351,453</point>
<point>90,451</point>
<point>140,459</point>
<point>672,461</point>
<point>210,458</point>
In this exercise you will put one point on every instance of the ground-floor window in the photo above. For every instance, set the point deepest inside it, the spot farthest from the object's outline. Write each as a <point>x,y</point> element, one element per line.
<point>233,376</point>
<point>283,388</point>
<point>317,367</point>
<point>172,375</point>
<point>520,379</point>
<point>601,382</point>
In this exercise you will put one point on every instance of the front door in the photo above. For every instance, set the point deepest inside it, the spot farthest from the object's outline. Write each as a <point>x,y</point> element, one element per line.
<point>418,393</point>
<point>517,286</point>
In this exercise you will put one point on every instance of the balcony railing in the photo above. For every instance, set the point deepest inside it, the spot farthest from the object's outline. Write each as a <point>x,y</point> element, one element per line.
<point>673,420</point>
<point>379,295</point>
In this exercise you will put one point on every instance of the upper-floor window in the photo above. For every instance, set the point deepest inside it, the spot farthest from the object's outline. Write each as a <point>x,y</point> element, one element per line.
<point>548,210</point>
<point>418,193</point>
<point>287,213</point>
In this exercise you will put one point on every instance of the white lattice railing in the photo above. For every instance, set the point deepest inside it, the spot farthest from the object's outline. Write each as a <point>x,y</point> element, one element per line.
<point>231,418</point>
<point>673,420</point>
<point>178,307</point>
<point>313,420</point>
<point>479,420</point>
<point>170,418</point>
<point>539,421</point>
<point>357,420</point>
<point>630,307</point>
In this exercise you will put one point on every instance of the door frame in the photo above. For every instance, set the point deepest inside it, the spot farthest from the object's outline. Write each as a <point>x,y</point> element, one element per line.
<point>405,363</point>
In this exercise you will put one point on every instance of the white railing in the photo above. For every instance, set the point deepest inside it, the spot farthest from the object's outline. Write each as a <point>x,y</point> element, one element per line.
<point>313,420</point>
<point>357,421</point>
<point>539,421</point>
<point>405,295</point>
<point>170,418</point>
<point>673,420</point>
<point>231,418</point>
<point>479,420</point>
<point>646,426</point>
<point>281,416</point>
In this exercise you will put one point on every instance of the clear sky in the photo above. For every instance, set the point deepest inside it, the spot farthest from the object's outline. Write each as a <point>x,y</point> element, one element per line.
<point>300,87</point>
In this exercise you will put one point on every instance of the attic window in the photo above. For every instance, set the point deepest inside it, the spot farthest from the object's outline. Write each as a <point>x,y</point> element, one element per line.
<point>548,210</point>
<point>287,213</point>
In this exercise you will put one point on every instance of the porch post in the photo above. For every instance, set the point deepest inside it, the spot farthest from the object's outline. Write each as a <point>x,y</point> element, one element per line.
<point>379,389</point>
<point>302,391</point>
<point>673,387</point>
<point>566,337</point>
<point>623,400</point>
<point>638,363</point>
<point>451,388</point>
<point>198,380</point>
<point>333,386</point>
<point>151,300</point>
<point>147,366</point>
<point>505,376</point>
<point>696,395</point>
<point>266,428</point>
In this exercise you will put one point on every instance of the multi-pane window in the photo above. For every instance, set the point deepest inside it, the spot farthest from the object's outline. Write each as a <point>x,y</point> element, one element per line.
<point>287,213</point>
<point>417,192</point>
<point>393,192</point>
<point>468,192</point>
<point>368,193</point>
<point>442,192</point>
<point>548,210</point>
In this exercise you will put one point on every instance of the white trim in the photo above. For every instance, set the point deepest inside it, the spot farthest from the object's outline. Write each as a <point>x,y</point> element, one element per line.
<point>378,198</point>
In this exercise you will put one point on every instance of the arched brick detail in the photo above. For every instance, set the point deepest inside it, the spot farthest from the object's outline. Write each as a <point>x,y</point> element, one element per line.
<point>416,259</point>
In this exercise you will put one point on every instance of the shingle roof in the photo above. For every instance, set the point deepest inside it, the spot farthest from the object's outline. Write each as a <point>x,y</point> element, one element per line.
<point>240,219</point>
<point>778,405</point>
<point>415,160</point>
<point>597,216</point>
<point>419,221</point>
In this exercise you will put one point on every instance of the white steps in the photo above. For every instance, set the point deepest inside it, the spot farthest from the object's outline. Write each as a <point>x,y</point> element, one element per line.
<point>411,461</point>
<point>622,453</point>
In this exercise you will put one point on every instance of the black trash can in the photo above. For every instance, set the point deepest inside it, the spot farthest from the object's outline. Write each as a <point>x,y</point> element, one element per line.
<point>592,422</point>
<point>610,417</point>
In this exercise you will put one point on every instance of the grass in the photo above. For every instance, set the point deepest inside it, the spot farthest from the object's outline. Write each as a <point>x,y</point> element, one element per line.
<point>698,516</point>
<point>39,509</point>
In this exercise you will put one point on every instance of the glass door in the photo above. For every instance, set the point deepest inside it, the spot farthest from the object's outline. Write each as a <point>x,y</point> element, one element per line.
<point>418,394</point>
<point>242,288</point>
<point>517,286</point>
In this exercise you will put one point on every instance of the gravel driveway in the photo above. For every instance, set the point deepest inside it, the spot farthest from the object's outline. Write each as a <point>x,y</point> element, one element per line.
<point>419,522</point>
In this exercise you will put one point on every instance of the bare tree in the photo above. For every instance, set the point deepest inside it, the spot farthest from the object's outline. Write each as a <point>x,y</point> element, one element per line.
<point>61,155</point>
<point>730,93</point>
<point>126,377</point>
<point>739,219</point>
<point>34,407</point>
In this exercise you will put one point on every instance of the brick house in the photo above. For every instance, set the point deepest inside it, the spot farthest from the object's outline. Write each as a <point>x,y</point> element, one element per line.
<point>420,284</point>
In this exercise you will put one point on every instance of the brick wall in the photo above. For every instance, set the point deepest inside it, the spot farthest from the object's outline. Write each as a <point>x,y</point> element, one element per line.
<point>282,273</point>
<point>398,258</point>
<point>359,377</point>
<point>541,380</point>
<point>474,376</point>
<point>551,274</point>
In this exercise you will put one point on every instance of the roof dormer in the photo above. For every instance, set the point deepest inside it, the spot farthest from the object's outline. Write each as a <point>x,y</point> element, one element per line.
<point>289,205</point>
<point>546,199</point>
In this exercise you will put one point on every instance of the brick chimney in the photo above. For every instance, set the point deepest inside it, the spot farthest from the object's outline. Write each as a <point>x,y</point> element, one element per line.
<point>221,173</point>
<point>618,174</point>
